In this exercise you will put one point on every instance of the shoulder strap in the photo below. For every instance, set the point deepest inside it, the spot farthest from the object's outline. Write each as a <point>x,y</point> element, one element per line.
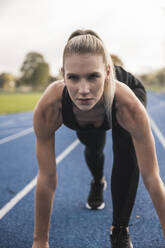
<point>67,110</point>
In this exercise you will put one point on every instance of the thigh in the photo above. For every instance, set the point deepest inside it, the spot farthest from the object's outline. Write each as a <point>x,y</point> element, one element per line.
<point>123,149</point>
<point>93,140</point>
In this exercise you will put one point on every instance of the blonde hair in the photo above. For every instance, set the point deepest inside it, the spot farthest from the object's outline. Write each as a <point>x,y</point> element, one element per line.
<point>87,41</point>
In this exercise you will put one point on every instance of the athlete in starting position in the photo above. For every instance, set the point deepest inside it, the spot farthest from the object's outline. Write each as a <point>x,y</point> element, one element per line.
<point>96,96</point>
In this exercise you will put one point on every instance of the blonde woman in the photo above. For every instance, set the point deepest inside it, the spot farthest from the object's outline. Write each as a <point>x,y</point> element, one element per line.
<point>93,97</point>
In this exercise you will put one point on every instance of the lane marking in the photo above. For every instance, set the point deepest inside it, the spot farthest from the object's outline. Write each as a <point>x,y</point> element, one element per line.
<point>11,131</point>
<point>17,198</point>
<point>15,136</point>
<point>32,184</point>
<point>158,132</point>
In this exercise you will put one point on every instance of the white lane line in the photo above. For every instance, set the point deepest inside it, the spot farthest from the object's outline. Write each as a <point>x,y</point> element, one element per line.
<point>31,185</point>
<point>15,136</point>
<point>17,198</point>
<point>10,131</point>
<point>158,132</point>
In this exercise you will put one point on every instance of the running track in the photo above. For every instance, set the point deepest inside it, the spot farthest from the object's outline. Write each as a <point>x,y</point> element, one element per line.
<point>72,225</point>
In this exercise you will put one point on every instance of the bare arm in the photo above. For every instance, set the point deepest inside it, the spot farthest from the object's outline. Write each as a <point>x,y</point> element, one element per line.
<point>147,160</point>
<point>46,185</point>
<point>133,117</point>
<point>47,119</point>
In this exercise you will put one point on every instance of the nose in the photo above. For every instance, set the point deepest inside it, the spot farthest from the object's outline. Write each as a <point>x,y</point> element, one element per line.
<point>84,87</point>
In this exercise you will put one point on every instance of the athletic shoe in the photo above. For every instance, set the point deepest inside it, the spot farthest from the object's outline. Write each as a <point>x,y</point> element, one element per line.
<point>120,238</point>
<point>95,199</point>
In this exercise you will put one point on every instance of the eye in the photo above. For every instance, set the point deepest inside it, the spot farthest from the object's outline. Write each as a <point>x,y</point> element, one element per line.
<point>73,77</point>
<point>93,76</point>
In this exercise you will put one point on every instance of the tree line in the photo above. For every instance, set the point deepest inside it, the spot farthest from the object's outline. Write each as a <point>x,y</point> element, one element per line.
<point>155,78</point>
<point>35,74</point>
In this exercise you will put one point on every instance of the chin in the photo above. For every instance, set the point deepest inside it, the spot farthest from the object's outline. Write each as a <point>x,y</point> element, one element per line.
<point>84,107</point>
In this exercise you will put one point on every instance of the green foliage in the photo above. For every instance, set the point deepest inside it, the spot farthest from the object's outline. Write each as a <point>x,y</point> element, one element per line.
<point>156,77</point>
<point>53,79</point>
<point>155,80</point>
<point>35,71</point>
<point>40,76</point>
<point>31,62</point>
<point>5,78</point>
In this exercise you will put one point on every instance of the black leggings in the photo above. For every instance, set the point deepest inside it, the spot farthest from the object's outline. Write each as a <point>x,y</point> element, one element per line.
<point>125,173</point>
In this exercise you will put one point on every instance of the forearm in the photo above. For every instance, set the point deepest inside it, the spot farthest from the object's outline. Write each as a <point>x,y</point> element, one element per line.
<point>156,189</point>
<point>44,196</point>
<point>149,169</point>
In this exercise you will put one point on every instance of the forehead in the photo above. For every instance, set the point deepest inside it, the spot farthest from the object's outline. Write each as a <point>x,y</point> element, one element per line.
<point>79,63</point>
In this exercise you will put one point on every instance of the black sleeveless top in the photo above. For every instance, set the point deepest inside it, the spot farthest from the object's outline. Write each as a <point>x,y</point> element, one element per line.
<point>69,119</point>
<point>67,105</point>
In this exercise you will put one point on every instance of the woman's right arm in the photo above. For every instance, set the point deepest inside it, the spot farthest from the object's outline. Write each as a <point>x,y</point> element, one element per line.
<point>47,119</point>
<point>45,189</point>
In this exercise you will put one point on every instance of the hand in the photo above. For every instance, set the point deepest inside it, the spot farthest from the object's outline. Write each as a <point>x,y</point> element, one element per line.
<point>40,244</point>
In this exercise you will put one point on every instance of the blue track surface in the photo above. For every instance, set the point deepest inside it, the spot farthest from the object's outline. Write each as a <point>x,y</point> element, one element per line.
<point>72,225</point>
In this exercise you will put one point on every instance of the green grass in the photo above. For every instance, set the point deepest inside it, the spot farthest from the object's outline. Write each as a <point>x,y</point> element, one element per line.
<point>18,102</point>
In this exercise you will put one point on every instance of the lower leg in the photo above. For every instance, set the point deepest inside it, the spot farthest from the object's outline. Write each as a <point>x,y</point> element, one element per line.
<point>125,177</point>
<point>112,227</point>
<point>95,163</point>
<point>124,188</point>
<point>94,142</point>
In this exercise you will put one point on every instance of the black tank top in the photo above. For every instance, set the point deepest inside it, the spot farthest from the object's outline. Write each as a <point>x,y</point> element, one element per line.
<point>69,119</point>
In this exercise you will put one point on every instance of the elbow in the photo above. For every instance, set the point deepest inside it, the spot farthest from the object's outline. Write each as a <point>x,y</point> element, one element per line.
<point>151,182</point>
<point>48,181</point>
<point>52,182</point>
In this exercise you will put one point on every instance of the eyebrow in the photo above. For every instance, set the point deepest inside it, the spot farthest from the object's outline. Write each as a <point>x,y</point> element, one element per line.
<point>88,74</point>
<point>72,74</point>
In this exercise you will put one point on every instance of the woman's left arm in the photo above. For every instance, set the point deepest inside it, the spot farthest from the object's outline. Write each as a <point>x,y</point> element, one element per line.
<point>147,160</point>
<point>132,116</point>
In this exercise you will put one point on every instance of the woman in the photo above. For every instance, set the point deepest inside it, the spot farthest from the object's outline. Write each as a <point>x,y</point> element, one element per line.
<point>94,97</point>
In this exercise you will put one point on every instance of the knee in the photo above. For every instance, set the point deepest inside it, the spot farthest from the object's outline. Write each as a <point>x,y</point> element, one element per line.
<point>93,153</point>
<point>151,181</point>
<point>49,180</point>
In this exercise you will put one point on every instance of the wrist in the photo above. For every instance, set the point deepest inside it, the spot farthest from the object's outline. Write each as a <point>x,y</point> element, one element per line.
<point>42,239</point>
<point>40,244</point>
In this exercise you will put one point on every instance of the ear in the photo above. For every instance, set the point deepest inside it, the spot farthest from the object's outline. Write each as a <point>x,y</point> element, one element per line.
<point>108,70</point>
<point>62,71</point>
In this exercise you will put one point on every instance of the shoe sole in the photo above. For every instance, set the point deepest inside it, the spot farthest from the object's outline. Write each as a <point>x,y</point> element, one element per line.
<point>105,185</point>
<point>102,206</point>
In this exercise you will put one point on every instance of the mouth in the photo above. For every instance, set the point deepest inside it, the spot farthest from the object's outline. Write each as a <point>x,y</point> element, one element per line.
<point>84,100</point>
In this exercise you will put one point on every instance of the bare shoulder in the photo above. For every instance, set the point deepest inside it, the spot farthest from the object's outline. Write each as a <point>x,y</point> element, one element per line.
<point>125,96</point>
<point>47,116</point>
<point>130,112</point>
